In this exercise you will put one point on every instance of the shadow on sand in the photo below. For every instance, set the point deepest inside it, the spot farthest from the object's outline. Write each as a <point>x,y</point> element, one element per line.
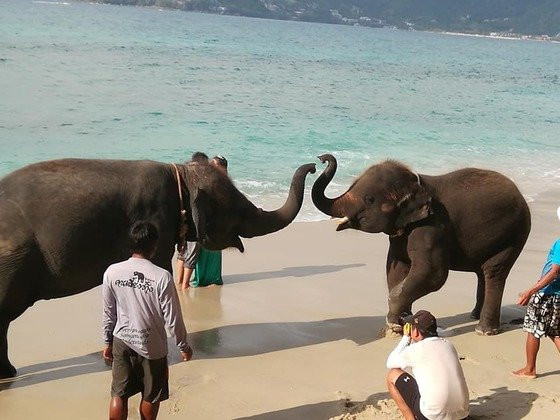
<point>243,340</point>
<point>60,369</point>
<point>324,410</point>
<point>303,271</point>
<point>501,404</point>
<point>254,339</point>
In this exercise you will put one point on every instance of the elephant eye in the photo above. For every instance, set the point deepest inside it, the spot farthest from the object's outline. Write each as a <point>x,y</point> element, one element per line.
<point>369,200</point>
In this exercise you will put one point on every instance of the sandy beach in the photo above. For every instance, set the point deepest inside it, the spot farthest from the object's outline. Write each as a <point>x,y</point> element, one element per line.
<point>295,333</point>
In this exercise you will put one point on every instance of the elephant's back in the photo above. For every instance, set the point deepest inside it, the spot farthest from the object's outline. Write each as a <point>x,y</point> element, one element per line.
<point>68,191</point>
<point>69,177</point>
<point>486,210</point>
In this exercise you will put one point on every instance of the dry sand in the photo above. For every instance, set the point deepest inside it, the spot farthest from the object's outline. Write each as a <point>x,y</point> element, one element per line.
<point>293,334</point>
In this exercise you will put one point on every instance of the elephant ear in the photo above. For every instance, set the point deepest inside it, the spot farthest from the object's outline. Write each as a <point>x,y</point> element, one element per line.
<point>197,202</point>
<point>412,208</point>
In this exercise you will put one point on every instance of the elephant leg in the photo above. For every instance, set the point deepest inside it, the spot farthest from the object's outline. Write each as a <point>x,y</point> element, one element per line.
<point>495,270</point>
<point>428,271</point>
<point>7,370</point>
<point>20,283</point>
<point>417,284</point>
<point>480,293</point>
<point>396,273</point>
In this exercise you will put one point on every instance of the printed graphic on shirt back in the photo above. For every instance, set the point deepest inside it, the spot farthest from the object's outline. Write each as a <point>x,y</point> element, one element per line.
<point>138,281</point>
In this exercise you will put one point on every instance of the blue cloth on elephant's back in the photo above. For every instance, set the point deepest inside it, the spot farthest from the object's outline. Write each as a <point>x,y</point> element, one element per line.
<point>553,258</point>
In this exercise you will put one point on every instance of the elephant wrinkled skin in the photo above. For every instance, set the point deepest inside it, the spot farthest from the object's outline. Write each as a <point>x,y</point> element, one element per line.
<point>63,222</point>
<point>468,220</point>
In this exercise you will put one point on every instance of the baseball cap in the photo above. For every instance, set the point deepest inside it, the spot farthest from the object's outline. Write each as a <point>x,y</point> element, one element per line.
<point>424,321</point>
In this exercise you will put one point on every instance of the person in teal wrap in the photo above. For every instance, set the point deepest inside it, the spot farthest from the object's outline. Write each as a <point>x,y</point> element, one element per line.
<point>208,269</point>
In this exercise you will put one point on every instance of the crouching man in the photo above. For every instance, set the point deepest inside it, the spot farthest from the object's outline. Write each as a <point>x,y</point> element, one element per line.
<point>438,390</point>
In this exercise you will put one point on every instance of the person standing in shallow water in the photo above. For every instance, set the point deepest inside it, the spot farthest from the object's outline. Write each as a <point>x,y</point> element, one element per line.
<point>139,302</point>
<point>188,254</point>
<point>208,269</point>
<point>543,310</point>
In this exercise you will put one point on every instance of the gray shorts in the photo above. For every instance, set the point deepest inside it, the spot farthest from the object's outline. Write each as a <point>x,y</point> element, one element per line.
<point>189,254</point>
<point>133,373</point>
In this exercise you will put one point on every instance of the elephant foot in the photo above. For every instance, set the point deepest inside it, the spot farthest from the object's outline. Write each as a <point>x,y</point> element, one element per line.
<point>475,313</point>
<point>486,330</point>
<point>391,330</point>
<point>7,371</point>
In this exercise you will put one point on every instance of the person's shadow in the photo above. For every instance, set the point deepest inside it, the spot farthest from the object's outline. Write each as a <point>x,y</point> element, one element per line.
<point>379,403</point>
<point>502,403</point>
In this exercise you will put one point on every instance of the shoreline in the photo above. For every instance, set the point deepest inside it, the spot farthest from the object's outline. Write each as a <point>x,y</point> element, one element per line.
<point>512,36</point>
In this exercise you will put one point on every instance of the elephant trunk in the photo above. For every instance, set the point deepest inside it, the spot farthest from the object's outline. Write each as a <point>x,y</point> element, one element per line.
<point>261,222</point>
<point>327,205</point>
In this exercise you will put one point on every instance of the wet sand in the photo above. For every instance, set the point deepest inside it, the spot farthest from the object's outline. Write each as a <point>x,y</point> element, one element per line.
<point>293,334</point>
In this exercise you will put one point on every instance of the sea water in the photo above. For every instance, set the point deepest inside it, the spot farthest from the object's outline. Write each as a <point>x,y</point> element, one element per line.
<point>101,81</point>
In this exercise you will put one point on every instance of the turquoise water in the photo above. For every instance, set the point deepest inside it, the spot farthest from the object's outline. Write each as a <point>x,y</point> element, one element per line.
<point>87,80</point>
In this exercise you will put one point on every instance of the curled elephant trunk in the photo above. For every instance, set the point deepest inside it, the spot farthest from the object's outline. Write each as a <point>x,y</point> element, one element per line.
<point>327,205</point>
<point>261,222</point>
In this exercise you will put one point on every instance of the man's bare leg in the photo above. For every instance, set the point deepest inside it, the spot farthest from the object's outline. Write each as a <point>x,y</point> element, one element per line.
<point>531,349</point>
<point>118,408</point>
<point>148,410</point>
<point>392,377</point>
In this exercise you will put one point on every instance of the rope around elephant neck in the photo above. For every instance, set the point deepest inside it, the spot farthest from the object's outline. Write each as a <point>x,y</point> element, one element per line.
<point>182,211</point>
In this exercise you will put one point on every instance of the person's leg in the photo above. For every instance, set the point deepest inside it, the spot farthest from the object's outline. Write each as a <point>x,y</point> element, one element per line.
<point>187,273</point>
<point>180,271</point>
<point>531,349</point>
<point>118,408</point>
<point>156,387</point>
<point>392,377</point>
<point>148,410</point>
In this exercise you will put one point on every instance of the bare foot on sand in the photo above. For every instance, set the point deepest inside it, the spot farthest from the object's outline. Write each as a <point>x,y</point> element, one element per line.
<point>525,373</point>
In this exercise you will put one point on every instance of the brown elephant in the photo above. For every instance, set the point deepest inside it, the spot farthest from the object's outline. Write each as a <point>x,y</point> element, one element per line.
<point>63,222</point>
<point>468,220</point>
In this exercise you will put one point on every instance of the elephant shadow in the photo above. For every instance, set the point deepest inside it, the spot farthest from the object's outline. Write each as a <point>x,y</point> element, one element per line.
<point>302,271</point>
<point>254,339</point>
<point>59,369</point>
<point>237,341</point>
<point>222,342</point>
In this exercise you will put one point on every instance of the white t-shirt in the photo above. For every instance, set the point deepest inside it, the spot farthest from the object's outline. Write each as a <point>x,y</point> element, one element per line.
<point>435,366</point>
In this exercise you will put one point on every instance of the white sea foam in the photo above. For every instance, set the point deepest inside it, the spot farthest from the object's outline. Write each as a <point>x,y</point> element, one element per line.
<point>50,2</point>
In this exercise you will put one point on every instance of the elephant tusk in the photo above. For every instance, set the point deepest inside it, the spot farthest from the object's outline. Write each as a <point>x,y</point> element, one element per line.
<point>343,220</point>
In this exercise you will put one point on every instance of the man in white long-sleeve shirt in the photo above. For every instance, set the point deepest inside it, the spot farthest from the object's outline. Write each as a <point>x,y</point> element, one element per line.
<point>139,301</point>
<point>438,390</point>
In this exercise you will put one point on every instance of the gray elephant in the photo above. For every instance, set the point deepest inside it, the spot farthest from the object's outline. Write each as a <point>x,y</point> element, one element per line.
<point>63,222</point>
<point>468,220</point>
